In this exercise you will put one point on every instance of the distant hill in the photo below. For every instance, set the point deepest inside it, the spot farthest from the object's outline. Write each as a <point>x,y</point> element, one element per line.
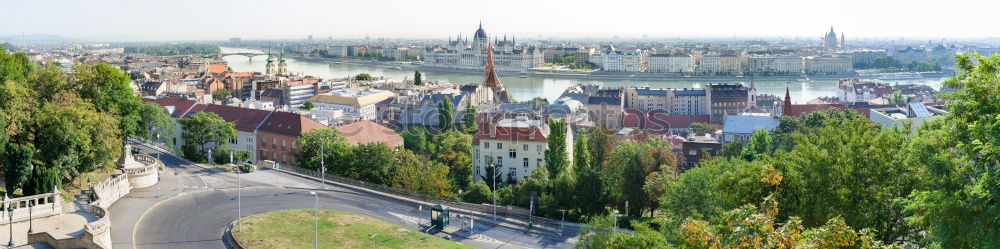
<point>35,38</point>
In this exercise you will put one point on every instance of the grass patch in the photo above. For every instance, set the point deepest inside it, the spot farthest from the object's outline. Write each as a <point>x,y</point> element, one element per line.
<point>295,229</point>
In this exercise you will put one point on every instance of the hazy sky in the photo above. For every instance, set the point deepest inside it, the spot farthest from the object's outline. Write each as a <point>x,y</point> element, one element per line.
<point>252,19</point>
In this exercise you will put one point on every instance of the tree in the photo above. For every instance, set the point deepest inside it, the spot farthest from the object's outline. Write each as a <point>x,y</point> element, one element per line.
<point>758,146</point>
<point>469,119</point>
<point>492,174</point>
<point>333,147</point>
<point>599,233</point>
<point>418,78</point>
<point>73,138</point>
<point>852,168</point>
<point>454,149</point>
<point>732,150</point>
<point>373,162</point>
<point>629,167</point>
<point>221,156</point>
<point>43,180</point>
<point>308,105</point>
<point>107,88</point>
<point>555,155</point>
<point>697,127</point>
<point>222,95</point>
<point>416,174</point>
<point>478,193</point>
<point>156,119</point>
<point>17,165</point>
<point>601,146</point>
<point>753,227</point>
<point>204,131</point>
<point>415,139</point>
<point>959,155</point>
<point>363,77</point>
<point>445,112</point>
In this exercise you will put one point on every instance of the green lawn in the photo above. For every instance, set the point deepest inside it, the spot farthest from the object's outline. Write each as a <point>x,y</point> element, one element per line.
<point>295,229</point>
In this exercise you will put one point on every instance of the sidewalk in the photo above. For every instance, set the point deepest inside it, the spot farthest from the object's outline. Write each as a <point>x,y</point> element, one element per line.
<point>66,225</point>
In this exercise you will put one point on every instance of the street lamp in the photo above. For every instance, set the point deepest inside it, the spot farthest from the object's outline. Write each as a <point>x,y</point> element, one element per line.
<point>10,215</point>
<point>316,238</point>
<point>31,229</point>
<point>494,176</point>
<point>239,201</point>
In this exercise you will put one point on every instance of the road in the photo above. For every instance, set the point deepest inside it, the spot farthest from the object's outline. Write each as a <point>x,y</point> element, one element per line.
<point>195,204</point>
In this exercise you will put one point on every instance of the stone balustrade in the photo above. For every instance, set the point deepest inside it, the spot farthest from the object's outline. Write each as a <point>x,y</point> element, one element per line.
<point>109,191</point>
<point>148,175</point>
<point>45,205</point>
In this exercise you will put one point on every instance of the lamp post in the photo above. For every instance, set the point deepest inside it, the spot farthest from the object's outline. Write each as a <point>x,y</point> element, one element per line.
<point>31,205</point>
<point>10,215</point>
<point>494,176</point>
<point>239,201</point>
<point>316,238</point>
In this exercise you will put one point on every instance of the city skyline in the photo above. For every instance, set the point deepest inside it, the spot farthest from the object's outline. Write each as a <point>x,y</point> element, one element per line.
<point>193,20</point>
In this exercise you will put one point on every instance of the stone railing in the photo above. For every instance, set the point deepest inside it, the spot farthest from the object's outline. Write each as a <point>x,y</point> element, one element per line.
<point>145,176</point>
<point>109,191</point>
<point>45,205</point>
<point>96,234</point>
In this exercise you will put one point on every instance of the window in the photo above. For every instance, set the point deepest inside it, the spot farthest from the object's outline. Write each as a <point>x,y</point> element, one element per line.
<point>486,145</point>
<point>538,162</point>
<point>500,146</point>
<point>512,153</point>
<point>539,147</point>
<point>486,160</point>
<point>693,152</point>
<point>525,162</point>
<point>525,147</point>
<point>499,161</point>
<point>513,173</point>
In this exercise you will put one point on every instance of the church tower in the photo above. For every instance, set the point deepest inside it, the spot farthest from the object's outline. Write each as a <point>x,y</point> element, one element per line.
<point>269,68</point>
<point>492,80</point>
<point>282,66</point>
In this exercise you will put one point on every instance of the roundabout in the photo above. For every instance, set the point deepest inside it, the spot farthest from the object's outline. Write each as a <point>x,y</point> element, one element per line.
<point>298,228</point>
<point>198,203</point>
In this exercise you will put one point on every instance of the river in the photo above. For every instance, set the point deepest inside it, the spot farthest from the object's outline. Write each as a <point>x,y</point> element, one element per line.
<point>536,86</point>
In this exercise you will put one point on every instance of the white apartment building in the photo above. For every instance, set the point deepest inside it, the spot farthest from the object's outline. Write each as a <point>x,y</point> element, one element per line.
<point>788,64</point>
<point>709,64</point>
<point>516,145</point>
<point>689,101</point>
<point>647,99</point>
<point>632,60</point>
<point>730,64</point>
<point>670,63</point>
<point>357,103</point>
<point>827,65</point>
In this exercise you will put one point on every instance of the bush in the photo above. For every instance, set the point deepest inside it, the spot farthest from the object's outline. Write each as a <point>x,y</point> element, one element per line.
<point>42,180</point>
<point>191,152</point>
<point>478,193</point>
<point>221,156</point>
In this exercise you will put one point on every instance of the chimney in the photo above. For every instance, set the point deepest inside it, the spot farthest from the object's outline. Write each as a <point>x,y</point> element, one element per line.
<point>493,129</point>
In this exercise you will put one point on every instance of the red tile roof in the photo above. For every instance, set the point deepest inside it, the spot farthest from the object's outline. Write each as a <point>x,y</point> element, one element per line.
<point>366,132</point>
<point>181,106</point>
<point>797,110</point>
<point>660,120</point>
<point>289,124</point>
<point>509,133</point>
<point>244,119</point>
<point>216,68</point>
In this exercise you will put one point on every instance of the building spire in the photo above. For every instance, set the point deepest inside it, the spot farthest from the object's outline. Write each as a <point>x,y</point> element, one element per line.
<point>492,80</point>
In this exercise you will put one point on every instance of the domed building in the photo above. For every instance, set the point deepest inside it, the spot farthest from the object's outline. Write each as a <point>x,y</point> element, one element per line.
<point>462,53</point>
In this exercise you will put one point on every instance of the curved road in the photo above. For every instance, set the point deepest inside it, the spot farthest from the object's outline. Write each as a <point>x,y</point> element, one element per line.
<point>195,204</point>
